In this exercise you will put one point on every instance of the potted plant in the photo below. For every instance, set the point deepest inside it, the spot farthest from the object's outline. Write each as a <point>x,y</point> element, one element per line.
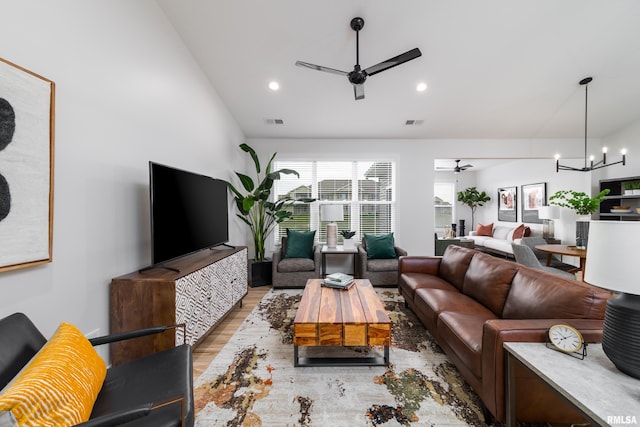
<point>583,205</point>
<point>629,187</point>
<point>473,198</point>
<point>347,239</point>
<point>578,201</point>
<point>257,210</point>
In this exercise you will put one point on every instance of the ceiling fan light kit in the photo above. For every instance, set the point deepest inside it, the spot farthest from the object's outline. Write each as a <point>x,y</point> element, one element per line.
<point>588,167</point>
<point>358,76</point>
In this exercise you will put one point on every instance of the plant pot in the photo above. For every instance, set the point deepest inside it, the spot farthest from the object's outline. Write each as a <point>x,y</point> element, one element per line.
<point>259,273</point>
<point>582,234</point>
<point>349,243</point>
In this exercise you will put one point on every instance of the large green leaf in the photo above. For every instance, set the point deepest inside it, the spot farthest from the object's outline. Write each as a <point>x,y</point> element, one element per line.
<point>246,181</point>
<point>254,156</point>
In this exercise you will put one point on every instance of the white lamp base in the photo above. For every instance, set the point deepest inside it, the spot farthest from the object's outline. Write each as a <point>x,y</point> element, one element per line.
<point>332,235</point>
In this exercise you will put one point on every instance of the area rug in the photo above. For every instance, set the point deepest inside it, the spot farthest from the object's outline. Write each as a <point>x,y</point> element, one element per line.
<point>252,381</point>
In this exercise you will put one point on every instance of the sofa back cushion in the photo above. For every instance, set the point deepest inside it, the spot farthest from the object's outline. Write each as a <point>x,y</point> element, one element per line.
<point>488,280</point>
<point>502,233</point>
<point>454,264</point>
<point>538,294</point>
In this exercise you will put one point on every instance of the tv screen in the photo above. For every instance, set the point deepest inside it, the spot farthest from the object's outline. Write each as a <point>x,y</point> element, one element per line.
<point>189,212</point>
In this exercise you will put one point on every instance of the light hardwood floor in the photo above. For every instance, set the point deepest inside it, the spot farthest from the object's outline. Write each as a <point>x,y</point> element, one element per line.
<point>211,346</point>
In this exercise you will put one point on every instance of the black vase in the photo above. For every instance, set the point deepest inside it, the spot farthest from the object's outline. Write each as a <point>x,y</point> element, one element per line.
<point>461,228</point>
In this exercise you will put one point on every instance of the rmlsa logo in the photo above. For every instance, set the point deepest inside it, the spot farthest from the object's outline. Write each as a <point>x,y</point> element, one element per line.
<point>622,419</point>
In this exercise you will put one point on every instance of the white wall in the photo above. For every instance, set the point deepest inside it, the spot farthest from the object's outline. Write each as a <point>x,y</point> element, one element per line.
<point>127,91</point>
<point>415,174</point>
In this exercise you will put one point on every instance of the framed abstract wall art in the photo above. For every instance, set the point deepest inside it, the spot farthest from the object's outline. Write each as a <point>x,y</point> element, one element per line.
<point>508,204</point>
<point>27,103</point>
<point>533,197</point>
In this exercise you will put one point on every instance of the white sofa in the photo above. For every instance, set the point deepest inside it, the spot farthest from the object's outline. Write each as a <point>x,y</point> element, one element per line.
<point>500,241</point>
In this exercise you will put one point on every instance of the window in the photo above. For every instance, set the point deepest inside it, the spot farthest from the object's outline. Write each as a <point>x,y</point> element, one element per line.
<point>444,197</point>
<point>365,190</point>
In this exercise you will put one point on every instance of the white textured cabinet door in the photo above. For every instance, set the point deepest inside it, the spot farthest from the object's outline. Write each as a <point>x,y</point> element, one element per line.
<point>206,295</point>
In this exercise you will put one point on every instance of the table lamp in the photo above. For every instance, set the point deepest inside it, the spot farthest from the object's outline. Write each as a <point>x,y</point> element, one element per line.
<point>547,214</point>
<point>332,213</point>
<point>612,253</point>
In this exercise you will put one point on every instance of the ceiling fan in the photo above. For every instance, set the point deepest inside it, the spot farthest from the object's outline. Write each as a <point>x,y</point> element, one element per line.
<point>457,168</point>
<point>358,76</point>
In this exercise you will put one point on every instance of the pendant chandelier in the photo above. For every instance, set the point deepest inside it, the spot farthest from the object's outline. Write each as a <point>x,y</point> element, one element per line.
<point>589,164</point>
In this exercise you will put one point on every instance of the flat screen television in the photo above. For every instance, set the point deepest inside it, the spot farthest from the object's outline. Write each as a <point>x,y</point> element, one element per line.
<point>189,212</point>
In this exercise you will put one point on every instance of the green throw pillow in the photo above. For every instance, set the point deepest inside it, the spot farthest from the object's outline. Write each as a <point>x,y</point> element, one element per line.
<point>380,247</point>
<point>300,244</point>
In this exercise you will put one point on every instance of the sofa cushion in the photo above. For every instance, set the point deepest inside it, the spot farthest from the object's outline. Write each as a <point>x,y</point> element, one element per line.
<point>453,266</point>
<point>299,244</point>
<point>59,385</point>
<point>429,303</point>
<point>410,282</point>
<point>462,332</point>
<point>488,280</point>
<point>382,264</point>
<point>537,294</point>
<point>499,245</point>
<point>292,265</point>
<point>502,233</point>
<point>156,377</point>
<point>485,230</point>
<point>380,247</point>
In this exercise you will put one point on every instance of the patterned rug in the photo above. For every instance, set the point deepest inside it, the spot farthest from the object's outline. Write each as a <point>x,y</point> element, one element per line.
<point>252,381</point>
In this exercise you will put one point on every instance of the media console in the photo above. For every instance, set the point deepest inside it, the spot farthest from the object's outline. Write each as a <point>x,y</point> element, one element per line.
<point>208,285</point>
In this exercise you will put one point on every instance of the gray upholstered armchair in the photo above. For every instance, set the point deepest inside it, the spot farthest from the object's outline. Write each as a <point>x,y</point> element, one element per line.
<point>294,272</point>
<point>380,272</point>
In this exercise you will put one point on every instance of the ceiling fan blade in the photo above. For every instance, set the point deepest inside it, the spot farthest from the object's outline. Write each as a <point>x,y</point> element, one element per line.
<point>466,166</point>
<point>390,63</point>
<point>358,91</point>
<point>321,68</point>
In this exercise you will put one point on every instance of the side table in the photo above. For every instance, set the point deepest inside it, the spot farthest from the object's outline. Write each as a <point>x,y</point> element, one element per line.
<point>340,249</point>
<point>593,386</point>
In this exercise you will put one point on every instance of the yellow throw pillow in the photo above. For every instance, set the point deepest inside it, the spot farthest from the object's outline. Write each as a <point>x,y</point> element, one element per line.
<point>59,386</point>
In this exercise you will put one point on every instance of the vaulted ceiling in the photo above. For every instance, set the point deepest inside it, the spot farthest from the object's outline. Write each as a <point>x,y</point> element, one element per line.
<point>494,68</point>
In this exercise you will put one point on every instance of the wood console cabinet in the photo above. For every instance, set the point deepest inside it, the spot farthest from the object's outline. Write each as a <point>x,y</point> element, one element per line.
<point>208,285</point>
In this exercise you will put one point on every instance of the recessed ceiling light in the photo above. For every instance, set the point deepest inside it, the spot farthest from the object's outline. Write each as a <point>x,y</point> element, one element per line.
<point>274,85</point>
<point>421,87</point>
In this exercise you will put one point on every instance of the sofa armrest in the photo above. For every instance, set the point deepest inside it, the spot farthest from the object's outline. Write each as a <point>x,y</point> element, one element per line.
<point>126,416</point>
<point>419,264</point>
<point>106,339</point>
<point>498,331</point>
<point>399,251</point>
<point>317,259</point>
<point>472,233</point>
<point>118,418</point>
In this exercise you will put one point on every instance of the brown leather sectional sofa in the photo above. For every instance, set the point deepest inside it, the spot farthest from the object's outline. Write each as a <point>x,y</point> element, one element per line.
<point>472,303</point>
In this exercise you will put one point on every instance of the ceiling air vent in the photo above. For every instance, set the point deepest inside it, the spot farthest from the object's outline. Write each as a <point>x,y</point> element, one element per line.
<point>274,121</point>
<point>414,122</point>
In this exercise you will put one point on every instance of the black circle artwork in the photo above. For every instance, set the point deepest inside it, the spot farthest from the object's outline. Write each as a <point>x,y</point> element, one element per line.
<point>7,128</point>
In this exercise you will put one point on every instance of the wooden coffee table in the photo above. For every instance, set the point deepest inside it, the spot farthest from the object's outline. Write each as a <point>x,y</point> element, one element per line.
<point>335,317</point>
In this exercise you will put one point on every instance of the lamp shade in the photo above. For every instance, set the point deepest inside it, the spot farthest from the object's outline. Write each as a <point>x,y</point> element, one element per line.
<point>549,212</point>
<point>612,253</point>
<point>331,213</point>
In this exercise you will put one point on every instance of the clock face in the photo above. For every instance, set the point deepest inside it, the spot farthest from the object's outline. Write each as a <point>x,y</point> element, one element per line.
<point>565,338</point>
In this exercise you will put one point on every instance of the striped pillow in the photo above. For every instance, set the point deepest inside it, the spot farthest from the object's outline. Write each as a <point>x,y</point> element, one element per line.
<point>59,386</point>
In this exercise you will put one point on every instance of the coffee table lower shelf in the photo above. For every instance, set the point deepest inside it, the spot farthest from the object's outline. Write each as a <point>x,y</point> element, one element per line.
<point>340,361</point>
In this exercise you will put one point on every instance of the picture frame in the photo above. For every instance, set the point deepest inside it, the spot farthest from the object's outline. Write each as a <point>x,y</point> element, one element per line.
<point>27,117</point>
<point>534,196</point>
<point>508,204</point>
